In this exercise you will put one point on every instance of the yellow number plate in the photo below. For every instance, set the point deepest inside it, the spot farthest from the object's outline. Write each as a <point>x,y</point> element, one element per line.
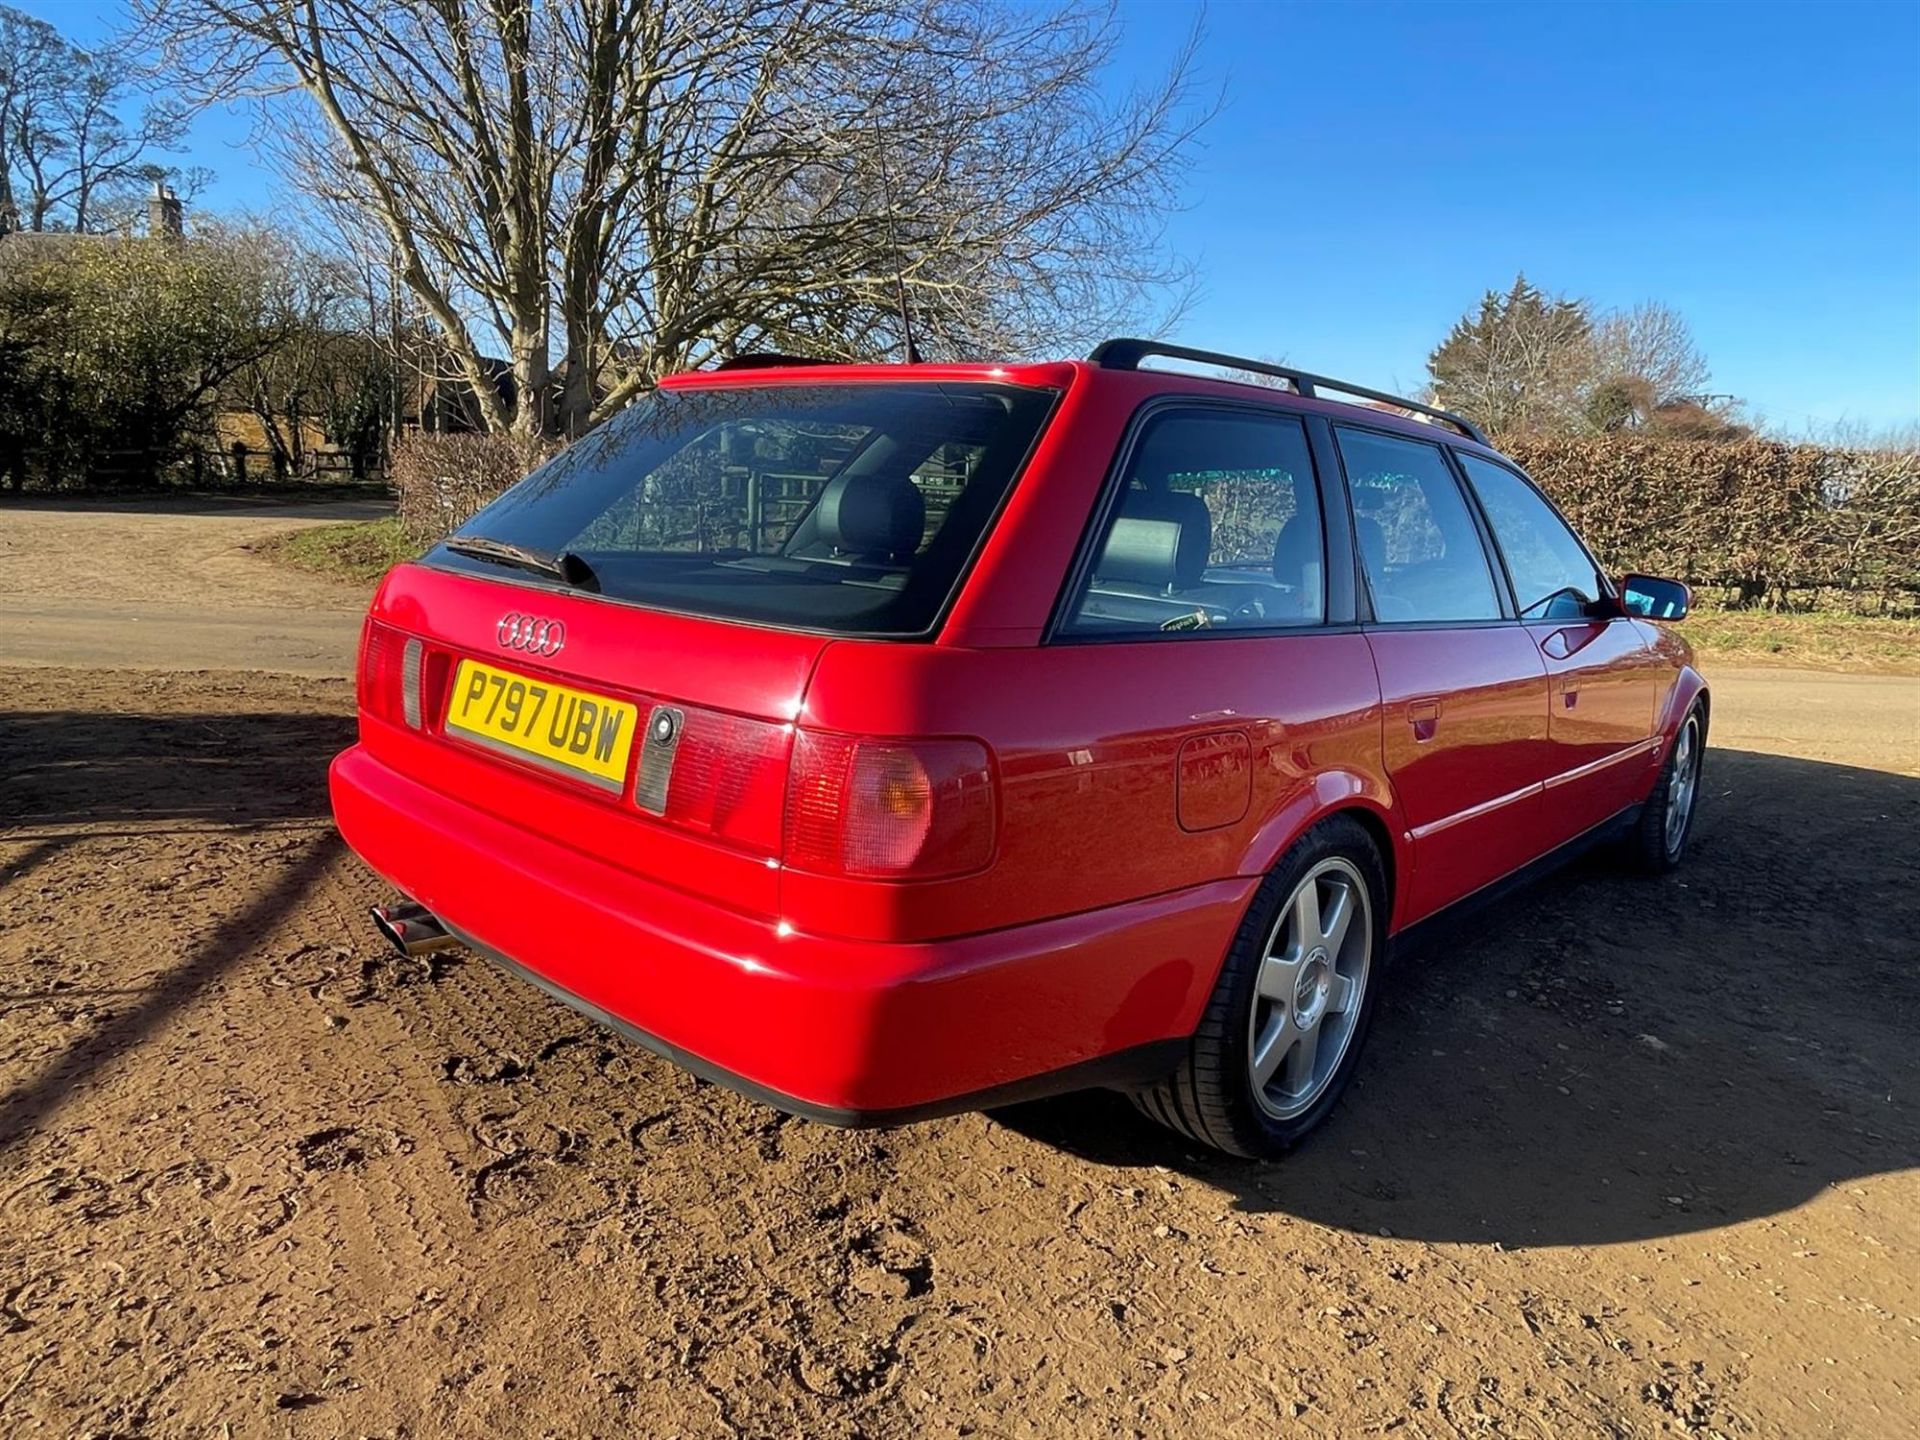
<point>577,733</point>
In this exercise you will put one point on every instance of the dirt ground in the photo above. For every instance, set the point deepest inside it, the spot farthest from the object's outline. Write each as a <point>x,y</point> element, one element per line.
<point>154,583</point>
<point>1626,1157</point>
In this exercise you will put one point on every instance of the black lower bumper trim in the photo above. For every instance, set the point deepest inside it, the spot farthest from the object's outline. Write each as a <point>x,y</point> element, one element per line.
<point>1123,1069</point>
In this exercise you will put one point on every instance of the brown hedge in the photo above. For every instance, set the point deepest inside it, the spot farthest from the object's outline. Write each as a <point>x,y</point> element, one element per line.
<point>1766,523</point>
<point>1763,523</point>
<point>443,479</point>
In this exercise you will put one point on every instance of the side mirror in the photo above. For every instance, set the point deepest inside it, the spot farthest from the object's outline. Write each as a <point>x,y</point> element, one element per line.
<point>1652,598</point>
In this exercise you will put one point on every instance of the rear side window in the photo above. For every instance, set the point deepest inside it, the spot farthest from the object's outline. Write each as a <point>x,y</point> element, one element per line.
<point>1553,576</point>
<point>1216,527</point>
<point>852,508</point>
<point>1419,547</point>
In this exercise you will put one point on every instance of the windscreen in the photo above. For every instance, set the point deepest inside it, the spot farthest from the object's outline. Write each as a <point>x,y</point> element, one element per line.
<point>851,507</point>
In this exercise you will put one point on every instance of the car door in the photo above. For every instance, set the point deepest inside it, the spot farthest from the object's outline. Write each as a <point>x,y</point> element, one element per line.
<point>1206,666</point>
<point>1463,687</point>
<point>1604,682</point>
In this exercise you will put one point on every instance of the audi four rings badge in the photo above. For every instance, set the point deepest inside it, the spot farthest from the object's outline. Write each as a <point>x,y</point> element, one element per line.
<point>530,633</point>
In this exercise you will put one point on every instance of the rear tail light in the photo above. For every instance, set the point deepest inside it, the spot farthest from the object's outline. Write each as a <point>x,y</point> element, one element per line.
<point>845,805</point>
<point>889,809</point>
<point>722,775</point>
<point>390,672</point>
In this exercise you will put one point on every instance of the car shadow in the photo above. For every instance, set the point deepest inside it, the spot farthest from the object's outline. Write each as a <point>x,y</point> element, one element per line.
<point>95,768</point>
<point>1607,1057</point>
<point>342,501</point>
<point>31,1105</point>
<point>72,777</point>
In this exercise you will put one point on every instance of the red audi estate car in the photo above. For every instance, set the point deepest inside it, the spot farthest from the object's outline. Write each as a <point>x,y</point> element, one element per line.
<point>884,741</point>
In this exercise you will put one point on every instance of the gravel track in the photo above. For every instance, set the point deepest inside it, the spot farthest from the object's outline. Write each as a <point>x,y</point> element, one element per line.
<point>168,584</point>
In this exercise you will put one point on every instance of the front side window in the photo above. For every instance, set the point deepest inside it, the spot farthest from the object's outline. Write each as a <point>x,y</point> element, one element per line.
<point>1418,544</point>
<point>1553,576</point>
<point>1217,527</point>
<point>849,507</point>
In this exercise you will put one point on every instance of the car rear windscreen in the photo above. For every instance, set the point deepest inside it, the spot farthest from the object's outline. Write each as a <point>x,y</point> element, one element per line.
<point>851,507</point>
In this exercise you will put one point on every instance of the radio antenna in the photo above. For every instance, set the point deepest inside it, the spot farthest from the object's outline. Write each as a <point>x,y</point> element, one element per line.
<point>899,261</point>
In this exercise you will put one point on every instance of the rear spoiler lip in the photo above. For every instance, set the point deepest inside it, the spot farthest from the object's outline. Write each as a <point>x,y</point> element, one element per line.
<point>1047,375</point>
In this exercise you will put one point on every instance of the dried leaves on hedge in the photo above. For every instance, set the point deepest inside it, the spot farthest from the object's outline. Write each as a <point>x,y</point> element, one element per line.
<point>443,480</point>
<point>1756,517</point>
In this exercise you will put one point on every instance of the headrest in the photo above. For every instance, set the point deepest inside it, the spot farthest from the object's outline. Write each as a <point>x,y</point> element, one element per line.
<point>1295,548</point>
<point>1297,564</point>
<point>876,515</point>
<point>1159,541</point>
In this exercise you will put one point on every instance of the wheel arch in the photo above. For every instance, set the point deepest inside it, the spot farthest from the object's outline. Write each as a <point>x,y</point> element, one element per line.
<point>1689,688</point>
<point>1336,792</point>
<point>1376,826</point>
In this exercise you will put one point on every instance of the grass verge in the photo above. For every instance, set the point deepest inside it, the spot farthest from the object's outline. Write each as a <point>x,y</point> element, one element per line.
<point>1816,640</point>
<point>360,552</point>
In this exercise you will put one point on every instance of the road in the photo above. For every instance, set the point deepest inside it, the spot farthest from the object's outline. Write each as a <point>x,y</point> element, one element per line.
<point>1871,720</point>
<point>172,585</point>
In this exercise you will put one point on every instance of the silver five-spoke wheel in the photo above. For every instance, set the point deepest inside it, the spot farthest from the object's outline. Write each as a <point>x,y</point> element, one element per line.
<point>1283,1029</point>
<point>1682,777</point>
<point>1309,989</point>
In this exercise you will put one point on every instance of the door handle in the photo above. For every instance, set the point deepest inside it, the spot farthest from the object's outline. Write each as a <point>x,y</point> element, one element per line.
<point>1424,716</point>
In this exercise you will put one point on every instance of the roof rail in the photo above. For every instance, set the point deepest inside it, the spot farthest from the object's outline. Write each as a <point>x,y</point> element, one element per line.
<point>769,360</point>
<point>1125,354</point>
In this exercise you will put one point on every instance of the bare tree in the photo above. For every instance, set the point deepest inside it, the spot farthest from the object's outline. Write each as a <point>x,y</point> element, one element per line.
<point>611,189</point>
<point>1651,346</point>
<point>70,158</point>
<point>30,55</point>
<point>1649,375</point>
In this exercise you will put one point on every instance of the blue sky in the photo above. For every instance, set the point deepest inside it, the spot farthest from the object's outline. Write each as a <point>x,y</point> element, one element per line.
<point>1376,166</point>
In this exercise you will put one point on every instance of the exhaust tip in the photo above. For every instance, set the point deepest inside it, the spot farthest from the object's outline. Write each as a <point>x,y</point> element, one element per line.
<point>411,929</point>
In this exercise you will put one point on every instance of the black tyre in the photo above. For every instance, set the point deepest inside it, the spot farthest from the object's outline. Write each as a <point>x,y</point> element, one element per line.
<point>1659,838</point>
<point>1283,1030</point>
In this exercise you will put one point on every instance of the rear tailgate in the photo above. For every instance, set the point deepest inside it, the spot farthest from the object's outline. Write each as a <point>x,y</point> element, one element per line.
<point>742,684</point>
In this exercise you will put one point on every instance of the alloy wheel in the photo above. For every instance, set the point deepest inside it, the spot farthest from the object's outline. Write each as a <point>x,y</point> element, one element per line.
<point>1682,781</point>
<point>1312,980</point>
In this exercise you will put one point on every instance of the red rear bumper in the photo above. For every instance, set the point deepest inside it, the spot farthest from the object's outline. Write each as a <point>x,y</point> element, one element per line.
<point>843,1030</point>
